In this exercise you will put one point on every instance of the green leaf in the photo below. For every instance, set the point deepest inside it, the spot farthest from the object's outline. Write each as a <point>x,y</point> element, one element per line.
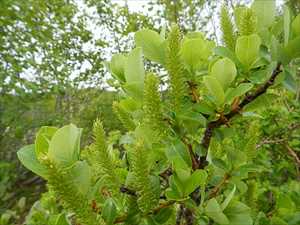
<point>172,194</point>
<point>286,24</point>
<point>238,91</point>
<point>214,211</point>
<point>163,215</point>
<point>64,147</point>
<point>238,213</point>
<point>193,117</point>
<point>228,198</point>
<point>224,71</point>
<point>81,175</point>
<point>134,69</point>
<point>289,82</point>
<point>109,211</point>
<point>177,153</point>
<point>194,51</point>
<point>134,90</point>
<point>247,49</point>
<point>181,177</point>
<point>42,140</point>
<point>261,102</point>
<point>296,25</point>
<point>117,66</point>
<point>225,52</point>
<point>198,178</point>
<point>27,157</point>
<point>204,108</point>
<point>152,43</point>
<point>215,89</point>
<point>278,221</point>
<point>221,164</point>
<point>291,50</point>
<point>265,12</point>
<point>176,190</point>
<point>274,48</point>
<point>61,219</point>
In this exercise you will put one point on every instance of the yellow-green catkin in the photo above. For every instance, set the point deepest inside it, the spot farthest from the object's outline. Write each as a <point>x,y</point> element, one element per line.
<point>152,106</point>
<point>247,22</point>
<point>228,33</point>
<point>177,81</point>
<point>123,116</point>
<point>147,200</point>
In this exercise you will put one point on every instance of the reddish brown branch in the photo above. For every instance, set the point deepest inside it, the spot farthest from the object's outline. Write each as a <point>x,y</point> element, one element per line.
<point>193,156</point>
<point>218,187</point>
<point>236,110</point>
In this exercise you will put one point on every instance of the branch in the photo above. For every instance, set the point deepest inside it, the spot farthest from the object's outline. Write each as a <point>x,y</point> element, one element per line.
<point>270,141</point>
<point>218,187</point>
<point>128,191</point>
<point>195,163</point>
<point>236,110</point>
<point>293,154</point>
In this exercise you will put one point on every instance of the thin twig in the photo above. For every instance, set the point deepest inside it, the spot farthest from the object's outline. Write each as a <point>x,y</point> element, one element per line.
<point>128,191</point>
<point>218,187</point>
<point>293,154</point>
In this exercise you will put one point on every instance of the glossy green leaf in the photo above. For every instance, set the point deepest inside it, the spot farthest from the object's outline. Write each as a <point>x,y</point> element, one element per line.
<point>227,53</point>
<point>265,12</point>
<point>117,66</point>
<point>192,117</point>
<point>152,44</point>
<point>274,48</point>
<point>228,198</point>
<point>171,194</point>
<point>221,164</point>
<point>109,211</point>
<point>296,25</point>
<point>215,89</point>
<point>183,175</point>
<point>278,221</point>
<point>163,215</point>
<point>214,211</point>
<point>238,213</point>
<point>247,49</point>
<point>289,82</point>
<point>224,71</point>
<point>27,157</point>
<point>134,91</point>
<point>240,90</point>
<point>291,50</point>
<point>194,51</point>
<point>198,178</point>
<point>134,69</point>
<point>204,108</point>
<point>177,153</point>
<point>64,147</point>
<point>42,140</point>
<point>81,176</point>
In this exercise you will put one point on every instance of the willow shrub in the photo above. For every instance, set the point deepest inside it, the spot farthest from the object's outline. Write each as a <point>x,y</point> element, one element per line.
<point>176,163</point>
